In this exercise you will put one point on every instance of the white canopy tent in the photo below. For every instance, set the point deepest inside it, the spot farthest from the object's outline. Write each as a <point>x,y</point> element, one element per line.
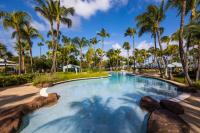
<point>174,64</point>
<point>70,66</point>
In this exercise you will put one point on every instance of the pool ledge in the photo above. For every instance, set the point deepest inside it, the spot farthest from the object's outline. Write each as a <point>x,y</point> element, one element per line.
<point>43,91</point>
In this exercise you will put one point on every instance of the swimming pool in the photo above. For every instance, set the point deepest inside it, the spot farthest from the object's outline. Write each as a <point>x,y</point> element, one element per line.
<point>105,105</point>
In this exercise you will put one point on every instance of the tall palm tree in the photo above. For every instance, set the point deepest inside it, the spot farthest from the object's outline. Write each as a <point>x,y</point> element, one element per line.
<point>16,20</point>
<point>147,23</point>
<point>99,52</point>
<point>131,33</point>
<point>94,42</point>
<point>29,34</point>
<point>40,44</point>
<point>181,6</point>
<point>127,47</point>
<point>118,52</point>
<point>61,15</point>
<point>103,34</point>
<point>80,44</point>
<point>46,8</point>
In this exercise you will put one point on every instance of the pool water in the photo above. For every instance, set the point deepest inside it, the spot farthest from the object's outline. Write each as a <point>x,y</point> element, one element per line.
<point>105,105</point>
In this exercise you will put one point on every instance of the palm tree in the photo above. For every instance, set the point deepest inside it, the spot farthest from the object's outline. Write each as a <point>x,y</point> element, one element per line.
<point>127,47</point>
<point>103,34</point>
<point>46,8</point>
<point>166,39</point>
<point>181,6</point>
<point>80,44</point>
<point>118,52</point>
<point>61,15</point>
<point>17,21</point>
<point>99,52</point>
<point>111,55</point>
<point>40,44</point>
<point>131,33</point>
<point>29,34</point>
<point>147,23</point>
<point>94,42</point>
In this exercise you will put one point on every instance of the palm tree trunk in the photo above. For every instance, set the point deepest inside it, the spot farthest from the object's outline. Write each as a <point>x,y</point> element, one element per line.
<point>134,52</point>
<point>161,74</point>
<point>23,62</point>
<point>102,53</point>
<point>31,58</point>
<point>198,67</point>
<point>40,51</point>
<point>128,58</point>
<point>163,58</point>
<point>20,51</point>
<point>53,54</point>
<point>81,59</point>
<point>183,56</point>
<point>57,32</point>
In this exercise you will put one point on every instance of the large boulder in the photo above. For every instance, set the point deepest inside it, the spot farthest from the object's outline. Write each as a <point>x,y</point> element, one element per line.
<point>163,121</point>
<point>171,106</point>
<point>11,118</point>
<point>149,103</point>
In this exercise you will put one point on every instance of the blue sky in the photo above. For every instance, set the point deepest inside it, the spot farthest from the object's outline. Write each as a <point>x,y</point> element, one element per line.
<point>114,15</point>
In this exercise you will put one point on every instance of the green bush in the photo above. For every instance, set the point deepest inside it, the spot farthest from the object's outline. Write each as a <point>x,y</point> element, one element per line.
<point>53,78</point>
<point>197,84</point>
<point>16,79</point>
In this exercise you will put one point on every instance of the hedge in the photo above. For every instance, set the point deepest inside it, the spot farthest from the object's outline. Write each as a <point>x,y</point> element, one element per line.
<point>16,79</point>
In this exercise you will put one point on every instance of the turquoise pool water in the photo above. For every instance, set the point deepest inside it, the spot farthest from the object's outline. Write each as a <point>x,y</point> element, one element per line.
<point>106,105</point>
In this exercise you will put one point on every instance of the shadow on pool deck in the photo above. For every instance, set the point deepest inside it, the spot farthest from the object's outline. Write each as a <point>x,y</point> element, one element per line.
<point>192,112</point>
<point>13,98</point>
<point>95,116</point>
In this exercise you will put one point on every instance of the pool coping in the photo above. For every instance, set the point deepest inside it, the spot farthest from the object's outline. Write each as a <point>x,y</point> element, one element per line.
<point>43,91</point>
<point>177,99</point>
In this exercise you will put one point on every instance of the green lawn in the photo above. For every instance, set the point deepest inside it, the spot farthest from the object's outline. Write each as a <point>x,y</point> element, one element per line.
<point>53,78</point>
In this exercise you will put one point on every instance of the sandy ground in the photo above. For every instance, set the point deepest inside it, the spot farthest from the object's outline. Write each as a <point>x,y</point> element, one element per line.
<point>12,96</point>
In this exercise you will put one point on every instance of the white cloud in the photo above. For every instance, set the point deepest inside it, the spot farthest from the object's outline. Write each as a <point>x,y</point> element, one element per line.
<point>87,8</point>
<point>123,51</point>
<point>38,25</point>
<point>144,45</point>
<point>5,38</point>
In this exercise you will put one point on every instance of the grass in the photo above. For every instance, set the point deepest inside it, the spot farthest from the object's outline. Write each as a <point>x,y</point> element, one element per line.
<point>53,78</point>
<point>180,80</point>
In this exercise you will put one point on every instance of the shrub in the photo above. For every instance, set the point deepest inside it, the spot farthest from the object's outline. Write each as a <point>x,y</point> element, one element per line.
<point>53,78</point>
<point>16,79</point>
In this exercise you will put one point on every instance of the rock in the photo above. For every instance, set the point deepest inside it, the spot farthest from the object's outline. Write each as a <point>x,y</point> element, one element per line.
<point>11,118</point>
<point>149,103</point>
<point>171,106</point>
<point>163,121</point>
<point>44,85</point>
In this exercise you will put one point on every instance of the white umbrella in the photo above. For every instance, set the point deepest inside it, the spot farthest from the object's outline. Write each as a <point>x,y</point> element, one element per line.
<point>170,65</point>
<point>176,64</point>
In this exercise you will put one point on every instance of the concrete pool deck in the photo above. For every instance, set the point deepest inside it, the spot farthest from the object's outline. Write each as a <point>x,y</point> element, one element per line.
<point>12,96</point>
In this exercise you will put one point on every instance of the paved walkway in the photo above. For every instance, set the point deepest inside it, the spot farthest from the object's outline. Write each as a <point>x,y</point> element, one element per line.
<point>12,96</point>
<point>192,112</point>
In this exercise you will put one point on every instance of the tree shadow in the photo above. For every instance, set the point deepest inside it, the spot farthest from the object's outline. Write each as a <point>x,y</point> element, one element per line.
<point>13,98</point>
<point>94,116</point>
